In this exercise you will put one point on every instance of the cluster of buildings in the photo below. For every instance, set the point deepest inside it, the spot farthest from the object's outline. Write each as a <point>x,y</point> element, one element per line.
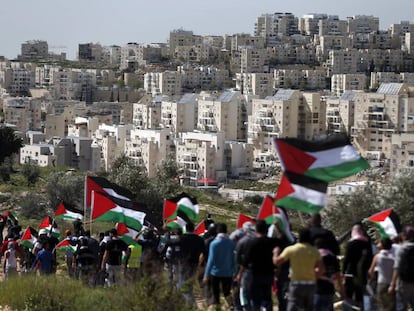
<point>216,103</point>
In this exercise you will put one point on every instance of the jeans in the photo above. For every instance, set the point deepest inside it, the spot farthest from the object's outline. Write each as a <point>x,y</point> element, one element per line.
<point>185,282</point>
<point>261,292</point>
<point>300,296</point>
<point>225,283</point>
<point>323,302</point>
<point>406,291</point>
<point>114,275</point>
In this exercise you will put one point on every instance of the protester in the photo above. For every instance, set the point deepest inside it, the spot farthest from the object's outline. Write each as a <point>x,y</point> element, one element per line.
<point>112,258</point>
<point>258,260</point>
<point>133,262</point>
<point>357,260</point>
<point>381,271</point>
<point>403,274</point>
<point>44,261</point>
<point>305,265</point>
<point>221,265</point>
<point>325,284</point>
<point>317,231</point>
<point>69,254</point>
<point>10,261</point>
<point>85,262</point>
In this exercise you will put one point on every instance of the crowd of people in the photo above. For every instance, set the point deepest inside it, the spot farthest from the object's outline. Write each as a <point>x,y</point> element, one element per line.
<point>244,269</point>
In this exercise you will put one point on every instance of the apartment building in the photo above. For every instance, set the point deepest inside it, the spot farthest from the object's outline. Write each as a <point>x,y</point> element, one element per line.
<point>402,152</point>
<point>181,115</point>
<point>134,55</point>
<point>333,26</point>
<point>202,77</point>
<point>253,60</point>
<point>273,27</point>
<point>17,80</point>
<point>312,116</point>
<point>222,114</point>
<point>342,61</point>
<point>165,83</point>
<point>93,52</point>
<point>364,24</point>
<point>23,112</point>
<point>33,50</point>
<point>149,148</point>
<point>83,127</point>
<point>391,77</point>
<point>200,155</point>
<point>111,139</point>
<point>256,84</point>
<point>379,115</point>
<point>274,116</point>
<point>347,82</point>
<point>288,78</point>
<point>147,112</point>
<point>77,152</point>
<point>238,159</point>
<point>340,112</point>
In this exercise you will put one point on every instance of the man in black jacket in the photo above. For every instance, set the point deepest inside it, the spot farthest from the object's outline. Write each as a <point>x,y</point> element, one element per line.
<point>327,237</point>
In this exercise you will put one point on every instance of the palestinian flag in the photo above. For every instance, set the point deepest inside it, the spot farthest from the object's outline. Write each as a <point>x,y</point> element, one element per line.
<point>183,205</point>
<point>108,208</point>
<point>102,185</point>
<point>68,213</point>
<point>327,160</point>
<point>66,245</point>
<point>46,223</point>
<point>200,229</point>
<point>387,222</point>
<point>302,193</point>
<point>29,238</point>
<point>270,213</point>
<point>176,223</point>
<point>126,234</point>
<point>242,219</point>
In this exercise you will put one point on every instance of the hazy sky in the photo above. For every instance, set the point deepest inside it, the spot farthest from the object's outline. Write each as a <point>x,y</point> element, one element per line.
<point>68,23</point>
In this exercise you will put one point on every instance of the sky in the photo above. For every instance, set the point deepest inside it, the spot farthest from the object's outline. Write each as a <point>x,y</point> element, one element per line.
<point>65,24</point>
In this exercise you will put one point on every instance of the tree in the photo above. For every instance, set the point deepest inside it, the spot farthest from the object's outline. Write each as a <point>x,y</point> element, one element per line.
<point>33,206</point>
<point>9,142</point>
<point>32,174</point>
<point>65,187</point>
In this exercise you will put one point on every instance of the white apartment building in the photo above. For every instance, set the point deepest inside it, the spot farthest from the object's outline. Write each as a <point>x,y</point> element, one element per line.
<point>200,155</point>
<point>23,112</point>
<point>364,24</point>
<point>223,114</point>
<point>165,83</point>
<point>180,116</point>
<point>17,80</point>
<point>238,159</point>
<point>273,27</point>
<point>312,116</point>
<point>256,84</point>
<point>111,139</point>
<point>379,115</point>
<point>77,152</point>
<point>342,61</point>
<point>347,82</point>
<point>83,127</point>
<point>391,77</point>
<point>202,77</point>
<point>149,148</point>
<point>147,112</point>
<point>340,113</point>
<point>274,116</point>
<point>287,78</point>
<point>402,152</point>
<point>253,59</point>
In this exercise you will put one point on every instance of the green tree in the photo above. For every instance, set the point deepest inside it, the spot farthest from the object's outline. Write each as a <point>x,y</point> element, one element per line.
<point>65,187</point>
<point>9,142</point>
<point>349,209</point>
<point>33,206</point>
<point>31,173</point>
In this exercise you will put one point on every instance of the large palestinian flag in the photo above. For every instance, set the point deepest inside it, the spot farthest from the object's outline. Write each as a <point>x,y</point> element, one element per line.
<point>128,235</point>
<point>176,223</point>
<point>387,222</point>
<point>108,208</point>
<point>327,160</point>
<point>46,226</point>
<point>183,205</point>
<point>302,193</point>
<point>68,213</point>
<point>270,213</point>
<point>102,185</point>
<point>29,238</point>
<point>200,229</point>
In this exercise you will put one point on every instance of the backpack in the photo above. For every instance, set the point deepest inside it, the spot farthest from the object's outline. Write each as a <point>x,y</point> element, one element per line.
<point>406,264</point>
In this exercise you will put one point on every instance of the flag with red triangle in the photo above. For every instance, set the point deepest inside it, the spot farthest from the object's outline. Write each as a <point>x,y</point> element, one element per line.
<point>242,219</point>
<point>102,185</point>
<point>128,235</point>
<point>387,222</point>
<point>200,229</point>
<point>66,245</point>
<point>66,212</point>
<point>29,238</point>
<point>183,206</point>
<point>327,160</point>
<point>108,208</point>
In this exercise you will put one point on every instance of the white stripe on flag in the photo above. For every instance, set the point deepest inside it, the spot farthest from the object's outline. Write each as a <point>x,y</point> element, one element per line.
<point>335,156</point>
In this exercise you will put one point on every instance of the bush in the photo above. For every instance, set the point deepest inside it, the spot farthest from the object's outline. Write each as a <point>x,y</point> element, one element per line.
<point>58,293</point>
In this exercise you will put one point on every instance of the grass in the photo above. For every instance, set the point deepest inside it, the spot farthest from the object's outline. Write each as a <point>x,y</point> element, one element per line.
<point>59,293</point>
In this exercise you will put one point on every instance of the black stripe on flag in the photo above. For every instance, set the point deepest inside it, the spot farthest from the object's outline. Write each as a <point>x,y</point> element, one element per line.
<point>307,182</point>
<point>331,142</point>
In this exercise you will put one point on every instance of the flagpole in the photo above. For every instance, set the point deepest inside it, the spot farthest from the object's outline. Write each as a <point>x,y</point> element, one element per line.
<point>92,206</point>
<point>85,195</point>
